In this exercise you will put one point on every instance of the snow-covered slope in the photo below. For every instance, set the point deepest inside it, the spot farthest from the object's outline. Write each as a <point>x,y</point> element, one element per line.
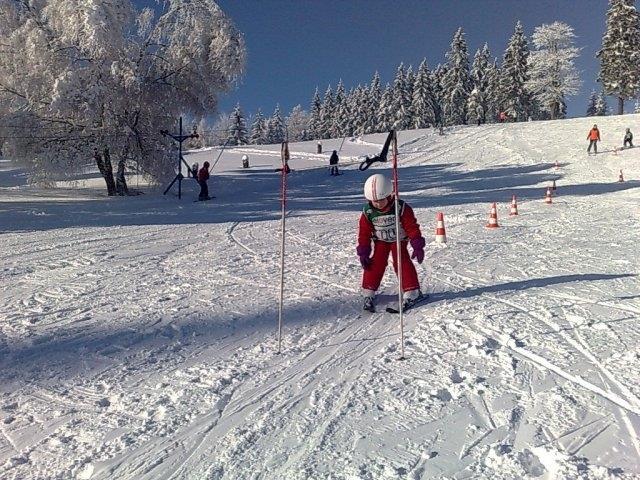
<point>138,335</point>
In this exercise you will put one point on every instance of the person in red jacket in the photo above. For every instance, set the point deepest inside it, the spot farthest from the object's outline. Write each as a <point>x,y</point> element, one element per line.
<point>593,137</point>
<point>203,176</point>
<point>377,228</point>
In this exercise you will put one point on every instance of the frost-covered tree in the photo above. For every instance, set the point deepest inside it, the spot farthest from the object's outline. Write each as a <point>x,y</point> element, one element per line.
<point>401,101</point>
<point>298,124</point>
<point>591,106</point>
<point>219,133</point>
<point>276,132</point>
<point>327,114</point>
<point>315,116</point>
<point>475,108</point>
<point>437,82</point>
<point>601,105</point>
<point>620,54</point>
<point>359,104</point>
<point>493,96</point>
<point>99,75</point>
<point>258,129</point>
<point>238,128</point>
<point>480,80</point>
<point>516,102</point>
<point>456,84</point>
<point>341,116</point>
<point>552,72</point>
<point>386,113</point>
<point>423,100</point>
<point>374,96</point>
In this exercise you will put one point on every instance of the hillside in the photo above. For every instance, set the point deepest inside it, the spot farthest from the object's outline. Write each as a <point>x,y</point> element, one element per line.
<point>137,335</point>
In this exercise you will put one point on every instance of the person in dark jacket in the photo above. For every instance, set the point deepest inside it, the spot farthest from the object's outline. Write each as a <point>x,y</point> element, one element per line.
<point>628,138</point>
<point>203,176</point>
<point>333,163</point>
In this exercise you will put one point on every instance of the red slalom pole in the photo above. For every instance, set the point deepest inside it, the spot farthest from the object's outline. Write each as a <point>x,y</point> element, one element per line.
<point>396,194</point>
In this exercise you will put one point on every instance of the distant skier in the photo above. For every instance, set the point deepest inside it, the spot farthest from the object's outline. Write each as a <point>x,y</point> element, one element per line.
<point>203,176</point>
<point>594,137</point>
<point>333,163</point>
<point>377,225</point>
<point>503,117</point>
<point>628,138</point>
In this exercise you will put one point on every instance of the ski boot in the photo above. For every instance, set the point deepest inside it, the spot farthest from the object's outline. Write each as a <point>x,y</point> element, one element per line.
<point>368,305</point>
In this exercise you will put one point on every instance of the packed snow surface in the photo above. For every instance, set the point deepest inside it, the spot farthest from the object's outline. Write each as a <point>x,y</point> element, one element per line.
<point>138,335</point>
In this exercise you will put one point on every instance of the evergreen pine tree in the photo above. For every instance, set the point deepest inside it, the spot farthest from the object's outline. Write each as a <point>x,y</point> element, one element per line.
<point>457,82</point>
<point>516,101</point>
<point>275,127</point>
<point>327,114</point>
<point>602,108</point>
<point>401,109</point>
<point>315,120</point>
<point>374,98</point>
<point>437,80</point>
<point>386,113</point>
<point>341,120</point>
<point>423,100</point>
<point>620,54</point>
<point>493,96</point>
<point>298,124</point>
<point>258,130</point>
<point>238,128</point>
<point>475,108</point>
<point>591,107</point>
<point>480,77</point>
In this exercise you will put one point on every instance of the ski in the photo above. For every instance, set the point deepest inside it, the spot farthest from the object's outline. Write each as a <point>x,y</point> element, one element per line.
<point>421,301</point>
<point>210,198</point>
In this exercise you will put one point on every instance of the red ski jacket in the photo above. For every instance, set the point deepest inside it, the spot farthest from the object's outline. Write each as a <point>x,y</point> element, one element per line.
<point>203,175</point>
<point>381,225</point>
<point>594,134</point>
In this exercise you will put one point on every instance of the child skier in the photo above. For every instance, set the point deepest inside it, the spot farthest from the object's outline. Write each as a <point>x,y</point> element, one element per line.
<point>333,163</point>
<point>203,176</point>
<point>594,137</point>
<point>378,226</point>
<point>628,139</point>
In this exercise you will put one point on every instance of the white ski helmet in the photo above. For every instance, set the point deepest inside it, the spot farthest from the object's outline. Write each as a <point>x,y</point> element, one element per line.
<point>377,187</point>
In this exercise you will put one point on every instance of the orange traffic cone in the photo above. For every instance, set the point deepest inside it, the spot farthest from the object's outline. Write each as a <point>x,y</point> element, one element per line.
<point>514,206</point>
<point>547,197</point>
<point>493,217</point>
<point>441,236</point>
<point>620,177</point>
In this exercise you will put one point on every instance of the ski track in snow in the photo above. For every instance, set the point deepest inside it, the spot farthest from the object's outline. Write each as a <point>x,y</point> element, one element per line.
<point>147,350</point>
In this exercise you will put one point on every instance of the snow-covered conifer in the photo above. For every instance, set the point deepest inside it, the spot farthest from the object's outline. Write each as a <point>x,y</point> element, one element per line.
<point>374,97</point>
<point>423,100</point>
<point>315,119</point>
<point>552,72</point>
<point>275,127</point>
<point>238,128</point>
<point>386,113</point>
<point>493,95</point>
<point>620,54</point>
<point>475,108</point>
<point>401,101</point>
<point>327,112</point>
<point>601,105</point>
<point>591,107</point>
<point>456,83</point>
<point>437,82</point>
<point>516,101</point>
<point>480,79</point>
<point>341,117</point>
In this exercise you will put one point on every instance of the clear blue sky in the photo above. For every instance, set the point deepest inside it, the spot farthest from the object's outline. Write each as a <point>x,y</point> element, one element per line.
<point>295,45</point>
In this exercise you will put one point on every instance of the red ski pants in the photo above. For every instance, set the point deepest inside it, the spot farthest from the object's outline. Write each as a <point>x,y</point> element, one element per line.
<point>372,276</point>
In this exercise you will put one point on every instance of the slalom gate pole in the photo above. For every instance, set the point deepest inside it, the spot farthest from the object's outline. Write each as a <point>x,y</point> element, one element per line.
<point>284,153</point>
<point>342,142</point>
<point>396,194</point>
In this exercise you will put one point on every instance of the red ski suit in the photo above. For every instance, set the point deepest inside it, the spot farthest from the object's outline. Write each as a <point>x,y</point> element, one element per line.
<point>379,227</point>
